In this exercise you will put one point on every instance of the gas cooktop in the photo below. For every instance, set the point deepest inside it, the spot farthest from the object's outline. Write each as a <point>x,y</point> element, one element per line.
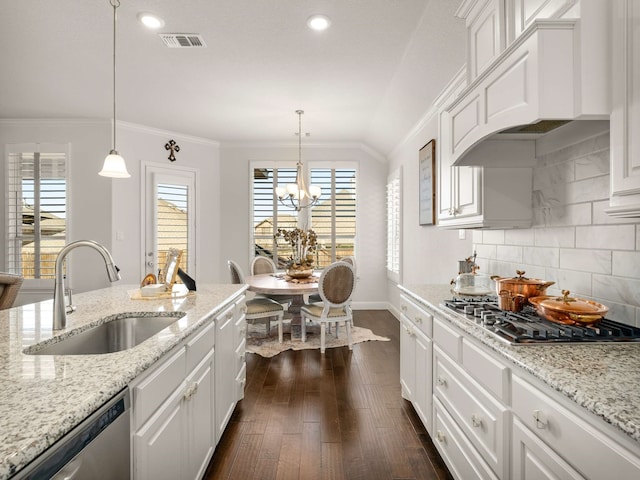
<point>528,328</point>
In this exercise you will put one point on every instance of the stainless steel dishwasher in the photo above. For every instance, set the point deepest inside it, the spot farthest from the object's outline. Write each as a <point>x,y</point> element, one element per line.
<point>98,448</point>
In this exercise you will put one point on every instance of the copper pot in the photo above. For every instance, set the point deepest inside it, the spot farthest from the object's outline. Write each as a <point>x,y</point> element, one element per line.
<point>568,310</point>
<point>521,285</point>
<point>510,301</point>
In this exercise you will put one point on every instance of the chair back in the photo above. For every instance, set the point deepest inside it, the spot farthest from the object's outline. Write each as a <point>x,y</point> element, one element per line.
<point>237,277</point>
<point>261,264</point>
<point>9,287</point>
<point>336,284</point>
<point>351,260</point>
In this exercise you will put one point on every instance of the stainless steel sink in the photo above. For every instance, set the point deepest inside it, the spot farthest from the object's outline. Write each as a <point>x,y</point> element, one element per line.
<point>122,332</point>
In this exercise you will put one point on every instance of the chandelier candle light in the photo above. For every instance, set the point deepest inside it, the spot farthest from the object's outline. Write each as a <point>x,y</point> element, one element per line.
<point>297,194</point>
<point>114,165</point>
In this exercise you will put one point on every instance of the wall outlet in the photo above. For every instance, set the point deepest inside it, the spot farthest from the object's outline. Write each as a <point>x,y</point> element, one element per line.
<point>462,234</point>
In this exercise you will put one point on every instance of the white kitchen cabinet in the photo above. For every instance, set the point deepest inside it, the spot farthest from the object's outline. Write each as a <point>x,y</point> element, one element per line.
<point>416,359</point>
<point>525,12</point>
<point>229,365</point>
<point>174,436</point>
<point>625,113</point>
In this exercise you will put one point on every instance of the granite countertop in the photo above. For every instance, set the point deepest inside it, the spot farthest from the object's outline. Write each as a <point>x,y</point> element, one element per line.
<point>42,397</point>
<point>602,378</point>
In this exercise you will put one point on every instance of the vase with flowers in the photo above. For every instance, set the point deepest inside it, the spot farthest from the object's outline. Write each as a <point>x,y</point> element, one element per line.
<point>303,245</point>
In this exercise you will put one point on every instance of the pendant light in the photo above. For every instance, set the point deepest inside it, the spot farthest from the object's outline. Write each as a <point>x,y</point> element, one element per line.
<point>297,195</point>
<point>114,165</point>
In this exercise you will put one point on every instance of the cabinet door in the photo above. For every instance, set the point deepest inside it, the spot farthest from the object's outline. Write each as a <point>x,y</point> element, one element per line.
<point>407,359</point>
<point>533,460</point>
<point>224,369</point>
<point>468,200</point>
<point>160,445</point>
<point>526,11</point>
<point>625,114</point>
<point>200,405</point>
<point>485,35</point>
<point>422,398</point>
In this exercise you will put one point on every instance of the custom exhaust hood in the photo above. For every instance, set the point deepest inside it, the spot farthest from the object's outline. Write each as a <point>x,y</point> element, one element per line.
<point>551,75</point>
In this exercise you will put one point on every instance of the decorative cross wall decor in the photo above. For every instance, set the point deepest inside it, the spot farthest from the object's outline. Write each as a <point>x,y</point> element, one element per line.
<point>174,148</point>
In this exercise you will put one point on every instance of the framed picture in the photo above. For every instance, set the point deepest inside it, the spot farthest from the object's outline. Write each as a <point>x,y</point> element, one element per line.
<point>427,183</point>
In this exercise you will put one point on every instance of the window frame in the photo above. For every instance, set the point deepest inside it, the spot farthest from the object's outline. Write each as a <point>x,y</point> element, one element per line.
<point>304,216</point>
<point>394,225</point>
<point>36,284</point>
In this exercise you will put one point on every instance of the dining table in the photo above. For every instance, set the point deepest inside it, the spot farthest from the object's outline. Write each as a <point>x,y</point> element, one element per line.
<point>281,284</point>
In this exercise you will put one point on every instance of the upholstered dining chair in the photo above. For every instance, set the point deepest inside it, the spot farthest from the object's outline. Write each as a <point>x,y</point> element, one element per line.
<point>335,286</point>
<point>264,265</point>
<point>259,309</point>
<point>351,260</point>
<point>9,287</point>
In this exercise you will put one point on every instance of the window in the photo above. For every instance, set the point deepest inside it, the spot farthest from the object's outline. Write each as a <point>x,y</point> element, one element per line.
<point>394,230</point>
<point>36,209</point>
<point>333,218</point>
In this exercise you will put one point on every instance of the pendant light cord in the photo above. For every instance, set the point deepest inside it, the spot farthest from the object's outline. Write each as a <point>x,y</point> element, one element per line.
<point>115,4</point>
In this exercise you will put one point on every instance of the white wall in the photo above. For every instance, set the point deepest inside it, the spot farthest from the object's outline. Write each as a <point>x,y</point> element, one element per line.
<point>235,191</point>
<point>90,209</point>
<point>140,145</point>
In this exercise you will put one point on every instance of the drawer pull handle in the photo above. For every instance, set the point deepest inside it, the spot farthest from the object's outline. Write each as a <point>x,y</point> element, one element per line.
<point>441,436</point>
<point>540,418</point>
<point>244,309</point>
<point>191,391</point>
<point>442,381</point>
<point>476,420</point>
<point>243,331</point>
<point>403,308</point>
<point>418,319</point>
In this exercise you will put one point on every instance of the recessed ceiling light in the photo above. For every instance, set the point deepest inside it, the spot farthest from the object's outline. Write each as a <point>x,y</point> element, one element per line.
<point>318,22</point>
<point>150,20</point>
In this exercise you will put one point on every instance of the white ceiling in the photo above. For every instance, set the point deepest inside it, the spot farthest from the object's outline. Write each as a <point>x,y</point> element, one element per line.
<point>367,79</point>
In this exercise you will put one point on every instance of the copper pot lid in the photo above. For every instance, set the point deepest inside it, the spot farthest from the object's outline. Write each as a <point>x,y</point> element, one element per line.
<point>521,279</point>
<point>567,304</point>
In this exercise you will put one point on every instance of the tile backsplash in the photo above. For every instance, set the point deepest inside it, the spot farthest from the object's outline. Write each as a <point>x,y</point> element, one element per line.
<point>572,242</point>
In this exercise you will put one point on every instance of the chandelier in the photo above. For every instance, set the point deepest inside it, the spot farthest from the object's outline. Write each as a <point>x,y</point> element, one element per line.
<point>298,195</point>
<point>114,165</point>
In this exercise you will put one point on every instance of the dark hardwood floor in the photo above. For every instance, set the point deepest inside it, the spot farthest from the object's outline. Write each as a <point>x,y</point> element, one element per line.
<point>335,416</point>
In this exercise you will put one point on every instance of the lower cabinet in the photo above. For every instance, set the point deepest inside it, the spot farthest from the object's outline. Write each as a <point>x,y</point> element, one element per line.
<point>176,418</point>
<point>490,419</point>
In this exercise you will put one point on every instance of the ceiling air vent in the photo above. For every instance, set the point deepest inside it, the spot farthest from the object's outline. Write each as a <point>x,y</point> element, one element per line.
<point>183,40</point>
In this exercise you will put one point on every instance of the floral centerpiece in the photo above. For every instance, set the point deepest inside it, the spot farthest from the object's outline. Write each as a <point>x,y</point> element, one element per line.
<point>303,245</point>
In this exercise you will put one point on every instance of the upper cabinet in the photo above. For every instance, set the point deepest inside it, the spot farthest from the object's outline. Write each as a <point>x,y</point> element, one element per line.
<point>625,113</point>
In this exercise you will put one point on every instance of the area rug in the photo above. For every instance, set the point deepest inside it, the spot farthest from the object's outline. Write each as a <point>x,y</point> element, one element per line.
<point>269,346</point>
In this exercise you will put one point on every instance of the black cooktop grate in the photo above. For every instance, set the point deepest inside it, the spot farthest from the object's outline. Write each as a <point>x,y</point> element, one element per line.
<point>527,327</point>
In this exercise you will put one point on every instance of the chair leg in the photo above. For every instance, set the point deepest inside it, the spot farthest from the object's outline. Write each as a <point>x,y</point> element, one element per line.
<point>303,328</point>
<point>280,317</point>
<point>347,324</point>
<point>323,334</point>
<point>267,325</point>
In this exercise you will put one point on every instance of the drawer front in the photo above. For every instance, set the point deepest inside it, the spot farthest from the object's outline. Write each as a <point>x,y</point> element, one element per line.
<point>570,436</point>
<point>225,319</point>
<point>200,345</point>
<point>240,329</point>
<point>459,455</point>
<point>483,419</point>
<point>419,316</point>
<point>239,356</point>
<point>154,389</point>
<point>241,381</point>
<point>533,459</point>
<point>447,339</point>
<point>489,372</point>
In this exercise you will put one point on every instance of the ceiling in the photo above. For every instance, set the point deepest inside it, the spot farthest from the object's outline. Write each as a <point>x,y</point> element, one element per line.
<point>368,79</point>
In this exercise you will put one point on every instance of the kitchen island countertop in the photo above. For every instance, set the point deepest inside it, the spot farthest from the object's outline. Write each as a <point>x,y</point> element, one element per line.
<point>42,397</point>
<point>603,378</point>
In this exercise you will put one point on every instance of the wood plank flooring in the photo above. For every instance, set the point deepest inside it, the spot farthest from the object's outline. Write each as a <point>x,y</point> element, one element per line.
<point>338,416</point>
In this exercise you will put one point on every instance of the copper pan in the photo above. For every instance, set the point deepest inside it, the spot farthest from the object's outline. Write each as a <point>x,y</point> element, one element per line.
<point>568,310</point>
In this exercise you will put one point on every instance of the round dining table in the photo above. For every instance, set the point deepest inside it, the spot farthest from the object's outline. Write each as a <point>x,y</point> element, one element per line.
<point>281,284</point>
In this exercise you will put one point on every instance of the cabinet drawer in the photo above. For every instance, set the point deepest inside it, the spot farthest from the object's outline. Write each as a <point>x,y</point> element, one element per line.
<point>421,318</point>
<point>483,419</point>
<point>584,447</point>
<point>155,388</point>
<point>447,339</point>
<point>240,330</point>
<point>489,372</point>
<point>459,455</point>
<point>241,381</point>
<point>239,356</point>
<point>200,345</point>
<point>225,318</point>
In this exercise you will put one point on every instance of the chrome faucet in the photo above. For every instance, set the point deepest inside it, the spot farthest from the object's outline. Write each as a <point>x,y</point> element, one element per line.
<point>59,307</point>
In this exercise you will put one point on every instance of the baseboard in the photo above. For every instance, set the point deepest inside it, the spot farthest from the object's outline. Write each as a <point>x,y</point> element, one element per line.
<point>370,305</point>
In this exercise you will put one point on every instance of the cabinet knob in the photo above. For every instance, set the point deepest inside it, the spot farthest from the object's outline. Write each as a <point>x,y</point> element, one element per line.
<point>190,391</point>
<point>476,420</point>
<point>540,418</point>
<point>403,308</point>
<point>418,319</point>
<point>243,331</point>
<point>442,381</point>
<point>442,438</point>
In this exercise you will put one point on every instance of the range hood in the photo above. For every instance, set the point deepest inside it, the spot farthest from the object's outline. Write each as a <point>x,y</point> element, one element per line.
<point>551,75</point>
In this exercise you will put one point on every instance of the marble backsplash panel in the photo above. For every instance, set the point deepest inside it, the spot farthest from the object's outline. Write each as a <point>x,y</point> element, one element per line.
<point>572,241</point>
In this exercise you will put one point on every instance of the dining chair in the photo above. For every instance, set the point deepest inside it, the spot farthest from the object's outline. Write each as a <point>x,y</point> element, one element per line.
<point>351,260</point>
<point>264,265</point>
<point>9,287</point>
<point>259,309</point>
<point>335,286</point>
